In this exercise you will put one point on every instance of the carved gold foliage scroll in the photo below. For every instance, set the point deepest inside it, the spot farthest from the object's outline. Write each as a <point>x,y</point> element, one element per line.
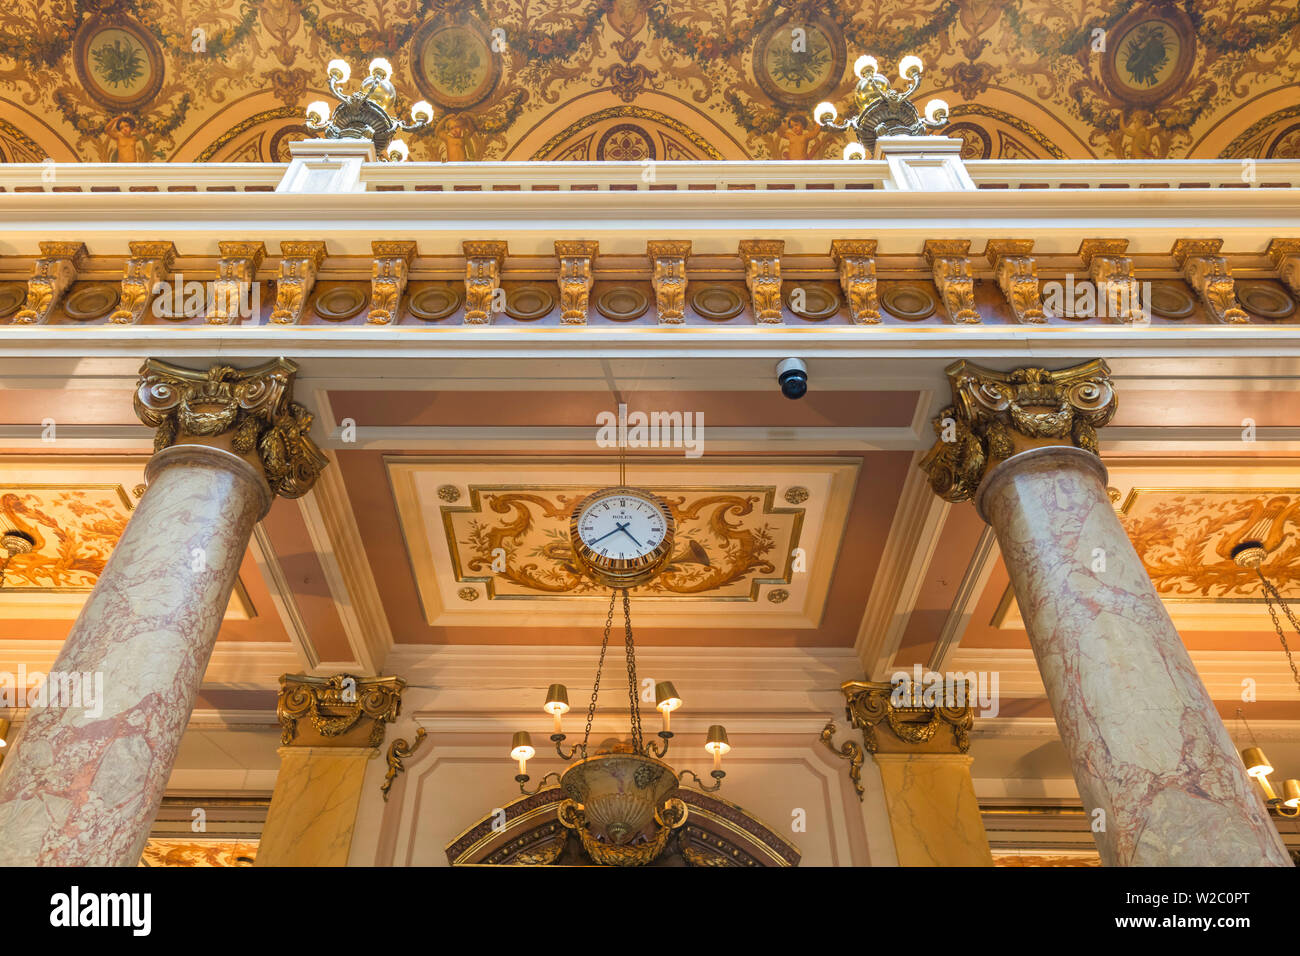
<point>762,259</point>
<point>337,711</point>
<point>576,257</point>
<point>254,406</point>
<point>850,751</point>
<point>913,723</point>
<point>483,261</point>
<point>55,270</point>
<point>668,277</point>
<point>299,263</point>
<point>994,415</point>
<point>400,750</point>
<point>950,266</point>
<point>388,277</point>
<point>1119,298</point>
<point>856,261</point>
<point>1284,254</point>
<point>1207,272</point>
<point>150,263</point>
<point>1017,276</point>
<point>236,271</point>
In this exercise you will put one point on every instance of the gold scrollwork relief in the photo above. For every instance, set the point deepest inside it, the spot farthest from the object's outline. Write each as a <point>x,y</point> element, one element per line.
<point>54,272</point>
<point>299,263</point>
<point>341,710</point>
<point>1207,272</point>
<point>149,264</point>
<point>1284,254</point>
<point>762,259</point>
<point>576,258</point>
<point>483,261</point>
<point>400,750</point>
<point>1119,298</point>
<point>870,705</point>
<point>388,276</point>
<point>668,277</point>
<point>236,271</point>
<point>1017,276</point>
<point>951,269</point>
<point>856,261</point>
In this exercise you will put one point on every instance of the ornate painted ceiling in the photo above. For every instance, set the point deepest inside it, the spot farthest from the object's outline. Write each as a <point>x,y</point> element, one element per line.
<point>211,80</point>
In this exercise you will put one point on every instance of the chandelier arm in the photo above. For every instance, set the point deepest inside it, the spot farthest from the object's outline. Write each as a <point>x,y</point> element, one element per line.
<point>1271,594</point>
<point>595,688</point>
<point>541,784</point>
<point>559,749</point>
<point>913,84</point>
<point>334,88</point>
<point>838,127</point>
<point>410,127</point>
<point>658,750</point>
<point>699,783</point>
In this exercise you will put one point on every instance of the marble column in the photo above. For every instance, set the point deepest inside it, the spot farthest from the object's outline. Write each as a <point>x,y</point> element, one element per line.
<point>1156,770</point>
<point>331,728</point>
<point>921,751</point>
<point>84,782</point>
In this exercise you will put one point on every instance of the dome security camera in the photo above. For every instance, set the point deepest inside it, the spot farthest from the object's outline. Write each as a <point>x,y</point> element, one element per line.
<point>792,376</point>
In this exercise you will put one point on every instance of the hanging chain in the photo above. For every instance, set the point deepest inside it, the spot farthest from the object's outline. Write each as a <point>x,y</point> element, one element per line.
<point>1270,595</point>
<point>633,695</point>
<point>595,688</point>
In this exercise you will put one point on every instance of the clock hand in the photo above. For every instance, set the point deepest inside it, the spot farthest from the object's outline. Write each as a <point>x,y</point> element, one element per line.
<point>617,528</point>
<point>623,528</point>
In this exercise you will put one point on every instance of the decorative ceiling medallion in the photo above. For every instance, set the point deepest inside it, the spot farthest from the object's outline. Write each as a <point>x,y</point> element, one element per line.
<point>975,142</point>
<point>1266,301</point>
<point>1148,55</point>
<point>119,63</point>
<point>910,302</point>
<point>467,594</point>
<point>340,303</point>
<point>797,61</point>
<point>796,494</point>
<point>622,303</point>
<point>454,64</point>
<point>818,302</point>
<point>1171,300</point>
<point>778,596</point>
<point>625,142</point>
<point>717,303</point>
<point>435,302</point>
<point>449,493</point>
<point>12,295</point>
<point>91,301</point>
<point>527,303</point>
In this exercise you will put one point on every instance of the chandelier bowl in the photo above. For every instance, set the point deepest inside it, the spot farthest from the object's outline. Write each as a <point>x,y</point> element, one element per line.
<point>619,794</point>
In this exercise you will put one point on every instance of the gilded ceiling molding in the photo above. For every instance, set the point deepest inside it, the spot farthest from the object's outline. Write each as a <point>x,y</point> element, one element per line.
<point>150,264</point>
<point>400,750</point>
<point>388,278</point>
<point>1017,276</point>
<point>995,415</point>
<point>913,727</point>
<point>576,257</point>
<point>1207,272</point>
<point>483,262</point>
<point>851,752</point>
<point>762,259</point>
<point>1111,272</point>
<point>299,263</point>
<point>54,272</point>
<point>251,411</point>
<point>668,277</point>
<point>856,261</point>
<point>337,711</point>
<point>236,270</point>
<point>949,261</point>
<point>1283,253</point>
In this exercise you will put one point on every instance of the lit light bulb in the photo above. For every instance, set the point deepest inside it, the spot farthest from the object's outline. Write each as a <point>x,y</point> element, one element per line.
<point>318,113</point>
<point>824,113</point>
<point>865,64</point>
<point>422,112</point>
<point>557,703</point>
<point>521,749</point>
<point>382,66</point>
<point>717,744</point>
<point>936,111</point>
<point>666,700</point>
<point>854,151</point>
<point>908,64</point>
<point>397,151</point>
<point>341,68</point>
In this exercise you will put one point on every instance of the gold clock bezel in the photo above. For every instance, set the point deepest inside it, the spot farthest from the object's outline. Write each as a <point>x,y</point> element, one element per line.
<point>622,572</point>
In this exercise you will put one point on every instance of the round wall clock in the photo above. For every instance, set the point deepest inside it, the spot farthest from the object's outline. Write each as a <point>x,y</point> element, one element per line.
<point>622,536</point>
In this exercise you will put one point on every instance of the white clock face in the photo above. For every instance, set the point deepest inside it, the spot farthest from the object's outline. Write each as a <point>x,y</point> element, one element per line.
<point>621,526</point>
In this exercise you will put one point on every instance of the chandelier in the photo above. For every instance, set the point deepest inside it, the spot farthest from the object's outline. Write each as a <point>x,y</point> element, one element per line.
<point>881,110</point>
<point>13,542</point>
<point>620,795</point>
<point>1258,767</point>
<point>365,113</point>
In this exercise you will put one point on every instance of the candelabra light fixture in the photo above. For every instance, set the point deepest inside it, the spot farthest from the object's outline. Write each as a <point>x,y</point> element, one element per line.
<point>366,114</point>
<point>1287,803</point>
<point>881,110</point>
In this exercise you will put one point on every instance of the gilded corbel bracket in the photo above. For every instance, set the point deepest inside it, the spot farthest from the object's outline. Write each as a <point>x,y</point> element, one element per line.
<point>576,257</point>
<point>856,261</point>
<point>851,752</point>
<point>1207,272</point>
<point>337,711</point>
<point>399,751</point>
<point>388,277</point>
<point>1017,276</point>
<point>762,258</point>
<point>483,262</point>
<point>668,277</point>
<point>913,726</point>
<point>1119,298</point>
<point>949,261</point>
<point>236,271</point>
<point>1285,256</point>
<point>150,264</point>
<point>54,272</point>
<point>299,264</point>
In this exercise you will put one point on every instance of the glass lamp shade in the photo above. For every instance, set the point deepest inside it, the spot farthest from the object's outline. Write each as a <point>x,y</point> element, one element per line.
<point>1257,764</point>
<point>318,112</point>
<point>4,733</point>
<point>381,66</point>
<point>717,743</point>
<point>909,63</point>
<point>854,151</point>
<point>341,67</point>
<point>824,113</point>
<point>557,700</point>
<point>1291,793</point>
<point>666,698</point>
<point>397,151</point>
<point>521,748</point>
<point>936,111</point>
<point>422,112</point>
<point>865,64</point>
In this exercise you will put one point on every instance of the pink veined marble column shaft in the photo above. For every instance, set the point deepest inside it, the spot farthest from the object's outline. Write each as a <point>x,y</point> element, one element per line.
<point>1145,742</point>
<point>81,789</point>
